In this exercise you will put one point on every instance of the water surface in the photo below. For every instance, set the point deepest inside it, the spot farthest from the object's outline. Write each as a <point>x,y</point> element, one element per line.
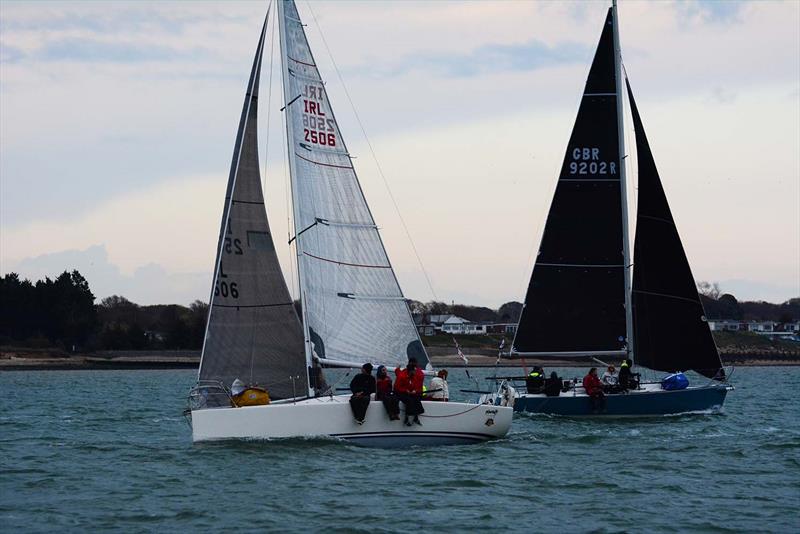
<point>109,450</point>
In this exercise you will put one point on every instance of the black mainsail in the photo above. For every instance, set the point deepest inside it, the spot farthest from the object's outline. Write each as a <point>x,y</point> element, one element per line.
<point>253,332</point>
<point>576,297</point>
<point>671,329</point>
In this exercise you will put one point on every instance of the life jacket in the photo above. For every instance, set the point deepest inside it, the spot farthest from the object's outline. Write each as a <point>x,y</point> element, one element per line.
<point>535,382</point>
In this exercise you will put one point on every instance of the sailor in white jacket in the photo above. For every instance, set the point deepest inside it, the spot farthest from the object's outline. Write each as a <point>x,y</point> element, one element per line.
<point>438,388</point>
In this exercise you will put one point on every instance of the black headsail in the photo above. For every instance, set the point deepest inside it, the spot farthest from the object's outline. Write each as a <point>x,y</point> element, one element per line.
<point>670,325</point>
<point>253,332</point>
<point>576,298</point>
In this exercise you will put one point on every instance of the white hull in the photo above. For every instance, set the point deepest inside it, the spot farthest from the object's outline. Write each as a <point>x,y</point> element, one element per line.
<point>443,423</point>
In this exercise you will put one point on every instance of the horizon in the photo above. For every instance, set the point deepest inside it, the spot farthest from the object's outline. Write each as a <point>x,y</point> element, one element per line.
<point>109,111</point>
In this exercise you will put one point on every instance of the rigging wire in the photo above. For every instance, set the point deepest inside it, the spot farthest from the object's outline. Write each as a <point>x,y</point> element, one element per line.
<point>372,152</point>
<point>269,103</point>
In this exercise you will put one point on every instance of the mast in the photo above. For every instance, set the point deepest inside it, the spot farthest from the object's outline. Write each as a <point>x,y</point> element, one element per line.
<point>626,250</point>
<point>289,100</point>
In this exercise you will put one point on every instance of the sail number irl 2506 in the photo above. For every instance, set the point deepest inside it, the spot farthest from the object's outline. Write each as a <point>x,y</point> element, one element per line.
<point>586,160</point>
<point>318,128</point>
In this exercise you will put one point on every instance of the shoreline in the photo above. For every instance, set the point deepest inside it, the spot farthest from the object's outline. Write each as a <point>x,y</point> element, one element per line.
<point>33,360</point>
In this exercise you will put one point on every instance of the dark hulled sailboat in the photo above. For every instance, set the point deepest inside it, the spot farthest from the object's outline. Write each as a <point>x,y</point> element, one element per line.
<point>580,301</point>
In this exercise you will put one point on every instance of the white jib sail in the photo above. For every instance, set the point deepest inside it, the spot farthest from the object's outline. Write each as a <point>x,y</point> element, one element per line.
<point>354,309</point>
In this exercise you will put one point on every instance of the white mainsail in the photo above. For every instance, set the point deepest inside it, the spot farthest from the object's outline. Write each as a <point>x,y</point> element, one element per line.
<point>353,308</point>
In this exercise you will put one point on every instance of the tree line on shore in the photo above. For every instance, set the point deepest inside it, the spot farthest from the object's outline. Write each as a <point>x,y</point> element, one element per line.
<point>62,312</point>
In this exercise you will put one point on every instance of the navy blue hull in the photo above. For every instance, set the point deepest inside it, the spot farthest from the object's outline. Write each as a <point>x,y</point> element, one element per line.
<point>636,404</point>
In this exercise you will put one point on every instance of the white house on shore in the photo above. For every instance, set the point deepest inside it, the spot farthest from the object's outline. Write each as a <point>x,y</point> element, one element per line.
<point>454,325</point>
<point>759,327</point>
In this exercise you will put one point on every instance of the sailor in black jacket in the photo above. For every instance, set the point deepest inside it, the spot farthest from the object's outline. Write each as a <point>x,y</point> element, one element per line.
<point>362,385</point>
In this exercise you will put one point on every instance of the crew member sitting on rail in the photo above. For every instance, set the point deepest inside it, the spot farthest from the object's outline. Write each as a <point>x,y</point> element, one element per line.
<point>408,388</point>
<point>362,386</point>
<point>625,376</point>
<point>552,386</point>
<point>439,389</point>
<point>386,395</point>
<point>535,380</point>
<point>594,389</point>
<point>611,380</point>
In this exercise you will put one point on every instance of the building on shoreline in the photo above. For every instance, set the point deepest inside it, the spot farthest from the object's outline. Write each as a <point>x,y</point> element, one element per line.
<point>429,325</point>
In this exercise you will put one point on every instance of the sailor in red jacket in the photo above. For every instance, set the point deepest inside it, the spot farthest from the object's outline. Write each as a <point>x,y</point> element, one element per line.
<point>408,388</point>
<point>594,388</point>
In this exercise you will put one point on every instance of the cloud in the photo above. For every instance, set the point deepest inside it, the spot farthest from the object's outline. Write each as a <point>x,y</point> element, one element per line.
<point>149,284</point>
<point>477,98</point>
<point>722,95</point>
<point>712,11</point>
<point>97,51</point>
<point>487,59</point>
<point>63,17</point>
<point>10,54</point>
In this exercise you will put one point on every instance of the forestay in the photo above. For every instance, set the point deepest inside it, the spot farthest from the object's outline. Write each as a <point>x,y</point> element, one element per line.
<point>575,302</point>
<point>671,329</point>
<point>253,332</point>
<point>354,310</point>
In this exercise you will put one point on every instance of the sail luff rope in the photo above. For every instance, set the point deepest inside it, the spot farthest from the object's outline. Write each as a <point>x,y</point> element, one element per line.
<point>372,152</point>
<point>635,168</point>
<point>294,289</point>
<point>269,104</point>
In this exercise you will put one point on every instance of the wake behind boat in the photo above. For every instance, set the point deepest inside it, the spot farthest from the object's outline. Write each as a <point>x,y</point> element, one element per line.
<point>353,310</point>
<point>581,302</point>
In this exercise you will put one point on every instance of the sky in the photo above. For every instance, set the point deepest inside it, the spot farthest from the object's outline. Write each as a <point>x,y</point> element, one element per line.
<point>117,124</point>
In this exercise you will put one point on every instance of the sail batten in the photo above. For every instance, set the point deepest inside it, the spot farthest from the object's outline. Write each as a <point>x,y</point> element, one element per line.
<point>672,333</point>
<point>339,250</point>
<point>576,297</point>
<point>252,330</point>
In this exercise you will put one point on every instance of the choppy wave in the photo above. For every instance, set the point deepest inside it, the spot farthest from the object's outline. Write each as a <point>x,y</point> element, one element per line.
<point>78,460</point>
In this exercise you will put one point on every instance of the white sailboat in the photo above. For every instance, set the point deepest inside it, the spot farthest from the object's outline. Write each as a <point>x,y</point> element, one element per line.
<point>352,306</point>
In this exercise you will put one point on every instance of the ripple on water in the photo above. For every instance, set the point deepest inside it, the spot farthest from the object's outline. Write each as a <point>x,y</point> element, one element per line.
<point>78,463</point>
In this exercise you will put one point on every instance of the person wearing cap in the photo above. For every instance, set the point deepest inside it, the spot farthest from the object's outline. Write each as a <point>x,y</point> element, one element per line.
<point>362,386</point>
<point>408,388</point>
<point>610,379</point>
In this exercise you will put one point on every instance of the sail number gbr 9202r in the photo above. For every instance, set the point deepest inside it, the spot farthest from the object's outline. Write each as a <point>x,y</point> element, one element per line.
<point>587,161</point>
<point>317,127</point>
